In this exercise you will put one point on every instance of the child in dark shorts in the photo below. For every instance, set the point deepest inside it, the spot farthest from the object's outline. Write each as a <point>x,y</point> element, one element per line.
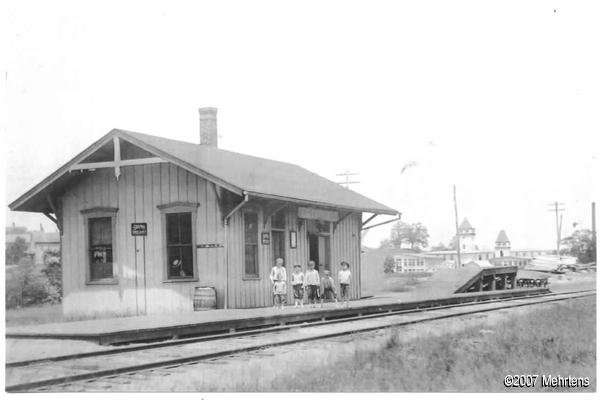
<point>311,283</point>
<point>328,288</point>
<point>279,291</point>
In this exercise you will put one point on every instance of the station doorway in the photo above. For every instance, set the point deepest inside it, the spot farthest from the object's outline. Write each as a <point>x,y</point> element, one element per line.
<point>319,251</point>
<point>278,245</point>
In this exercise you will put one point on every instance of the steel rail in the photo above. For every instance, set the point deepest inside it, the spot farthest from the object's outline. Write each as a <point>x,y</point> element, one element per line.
<point>190,330</point>
<point>250,332</point>
<point>220,354</point>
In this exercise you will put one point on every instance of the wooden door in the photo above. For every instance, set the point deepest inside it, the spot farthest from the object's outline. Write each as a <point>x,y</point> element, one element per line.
<point>278,246</point>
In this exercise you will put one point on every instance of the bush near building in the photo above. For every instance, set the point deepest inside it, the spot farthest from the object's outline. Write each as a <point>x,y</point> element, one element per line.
<point>27,285</point>
<point>388,265</point>
<point>53,271</point>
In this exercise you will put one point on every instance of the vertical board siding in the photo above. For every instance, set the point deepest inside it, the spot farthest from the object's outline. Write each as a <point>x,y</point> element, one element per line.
<point>345,246</point>
<point>137,193</point>
<point>247,293</point>
<point>125,244</point>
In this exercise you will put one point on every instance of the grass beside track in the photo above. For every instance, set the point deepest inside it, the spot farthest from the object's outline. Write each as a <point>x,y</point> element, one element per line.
<point>557,340</point>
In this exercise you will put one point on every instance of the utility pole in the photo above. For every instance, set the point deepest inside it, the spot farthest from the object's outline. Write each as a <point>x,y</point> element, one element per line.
<point>557,208</point>
<point>457,233</point>
<point>347,181</point>
<point>594,227</point>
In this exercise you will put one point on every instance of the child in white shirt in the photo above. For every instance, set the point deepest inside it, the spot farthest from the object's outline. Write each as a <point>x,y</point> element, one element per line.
<point>312,282</point>
<point>298,286</point>
<point>345,277</point>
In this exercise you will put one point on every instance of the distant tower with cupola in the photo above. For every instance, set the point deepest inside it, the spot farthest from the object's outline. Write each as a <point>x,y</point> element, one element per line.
<point>467,236</point>
<point>502,247</point>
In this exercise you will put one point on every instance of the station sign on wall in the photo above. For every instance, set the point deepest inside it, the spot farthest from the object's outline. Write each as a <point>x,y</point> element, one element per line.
<point>265,238</point>
<point>318,214</point>
<point>209,246</point>
<point>139,229</point>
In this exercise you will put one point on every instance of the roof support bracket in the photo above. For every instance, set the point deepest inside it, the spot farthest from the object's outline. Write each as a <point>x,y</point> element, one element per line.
<point>382,223</point>
<point>369,219</point>
<point>244,201</point>
<point>217,193</point>
<point>336,223</point>
<point>51,218</point>
<point>269,213</point>
<point>219,197</point>
<point>58,215</point>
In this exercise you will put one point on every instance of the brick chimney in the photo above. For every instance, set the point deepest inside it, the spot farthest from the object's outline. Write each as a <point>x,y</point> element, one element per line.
<point>208,126</point>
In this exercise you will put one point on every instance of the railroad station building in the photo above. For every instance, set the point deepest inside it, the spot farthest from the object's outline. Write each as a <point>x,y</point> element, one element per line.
<point>146,220</point>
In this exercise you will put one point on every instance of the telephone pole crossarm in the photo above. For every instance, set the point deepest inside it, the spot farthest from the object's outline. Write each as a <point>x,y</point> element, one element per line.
<point>347,174</point>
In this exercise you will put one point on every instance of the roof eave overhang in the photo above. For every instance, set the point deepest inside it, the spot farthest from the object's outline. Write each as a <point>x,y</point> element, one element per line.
<point>44,184</point>
<point>47,182</point>
<point>323,204</point>
<point>17,204</point>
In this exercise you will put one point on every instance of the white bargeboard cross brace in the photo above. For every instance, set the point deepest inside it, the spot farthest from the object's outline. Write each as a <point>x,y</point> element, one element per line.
<point>117,162</point>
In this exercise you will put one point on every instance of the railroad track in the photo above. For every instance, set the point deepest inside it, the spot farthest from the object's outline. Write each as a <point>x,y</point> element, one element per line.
<point>61,371</point>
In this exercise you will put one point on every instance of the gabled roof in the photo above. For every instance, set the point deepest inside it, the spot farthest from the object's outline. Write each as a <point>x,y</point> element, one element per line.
<point>236,172</point>
<point>502,238</point>
<point>465,225</point>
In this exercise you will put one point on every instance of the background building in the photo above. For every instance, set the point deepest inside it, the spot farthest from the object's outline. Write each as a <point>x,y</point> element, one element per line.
<point>502,255</point>
<point>407,261</point>
<point>38,242</point>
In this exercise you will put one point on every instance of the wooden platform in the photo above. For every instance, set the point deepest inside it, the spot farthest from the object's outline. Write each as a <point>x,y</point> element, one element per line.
<point>155,327</point>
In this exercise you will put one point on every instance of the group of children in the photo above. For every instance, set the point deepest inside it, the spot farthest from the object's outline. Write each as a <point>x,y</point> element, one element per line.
<point>315,286</point>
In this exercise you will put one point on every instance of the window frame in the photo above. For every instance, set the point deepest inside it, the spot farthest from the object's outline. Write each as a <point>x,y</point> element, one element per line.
<point>245,275</point>
<point>176,208</point>
<point>281,213</point>
<point>93,213</point>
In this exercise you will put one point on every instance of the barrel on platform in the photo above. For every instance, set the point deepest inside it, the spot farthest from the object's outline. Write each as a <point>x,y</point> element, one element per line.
<point>205,298</point>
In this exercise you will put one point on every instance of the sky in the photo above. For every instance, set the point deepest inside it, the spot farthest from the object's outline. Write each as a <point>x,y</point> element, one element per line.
<point>499,98</point>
